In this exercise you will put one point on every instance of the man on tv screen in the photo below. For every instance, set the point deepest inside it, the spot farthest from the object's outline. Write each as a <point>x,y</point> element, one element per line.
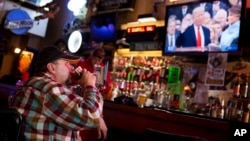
<point>196,35</point>
<point>172,36</point>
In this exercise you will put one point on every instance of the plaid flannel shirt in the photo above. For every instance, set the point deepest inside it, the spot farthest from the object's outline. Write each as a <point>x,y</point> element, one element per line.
<point>51,111</point>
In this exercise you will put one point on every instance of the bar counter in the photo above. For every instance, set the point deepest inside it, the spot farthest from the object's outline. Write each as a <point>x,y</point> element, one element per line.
<point>137,120</point>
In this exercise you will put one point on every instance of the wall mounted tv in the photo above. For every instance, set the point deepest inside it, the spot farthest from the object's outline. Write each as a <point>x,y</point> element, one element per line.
<point>203,26</point>
<point>103,27</point>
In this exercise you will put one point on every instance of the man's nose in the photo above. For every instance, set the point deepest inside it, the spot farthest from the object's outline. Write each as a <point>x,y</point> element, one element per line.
<point>71,68</point>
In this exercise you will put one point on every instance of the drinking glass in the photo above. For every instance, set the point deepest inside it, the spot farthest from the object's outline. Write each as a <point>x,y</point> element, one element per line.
<point>141,100</point>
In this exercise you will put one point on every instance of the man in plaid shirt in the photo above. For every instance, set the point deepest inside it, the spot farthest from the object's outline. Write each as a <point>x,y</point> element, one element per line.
<point>50,110</point>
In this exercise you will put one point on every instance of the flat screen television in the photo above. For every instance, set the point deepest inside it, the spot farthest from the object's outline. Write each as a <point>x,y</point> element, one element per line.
<point>201,27</point>
<point>103,27</point>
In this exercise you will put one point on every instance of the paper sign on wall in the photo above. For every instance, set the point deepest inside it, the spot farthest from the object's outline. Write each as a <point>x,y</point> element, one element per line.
<point>216,69</point>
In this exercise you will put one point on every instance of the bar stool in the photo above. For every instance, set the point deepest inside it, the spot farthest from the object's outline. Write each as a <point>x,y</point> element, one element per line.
<point>10,124</point>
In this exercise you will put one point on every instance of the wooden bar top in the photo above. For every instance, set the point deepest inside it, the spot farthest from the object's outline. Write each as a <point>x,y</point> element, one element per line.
<point>137,120</point>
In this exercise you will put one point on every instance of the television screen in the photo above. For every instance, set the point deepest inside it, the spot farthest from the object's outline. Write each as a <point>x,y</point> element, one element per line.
<point>203,26</point>
<point>102,27</point>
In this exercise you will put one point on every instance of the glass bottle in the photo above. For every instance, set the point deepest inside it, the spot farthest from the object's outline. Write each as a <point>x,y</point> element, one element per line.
<point>246,114</point>
<point>236,87</point>
<point>245,87</point>
<point>152,95</point>
<point>239,112</point>
<point>228,110</point>
<point>233,111</point>
<point>221,109</point>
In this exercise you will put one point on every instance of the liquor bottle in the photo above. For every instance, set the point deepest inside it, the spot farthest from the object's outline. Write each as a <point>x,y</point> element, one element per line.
<point>214,111</point>
<point>246,114</point>
<point>239,112</point>
<point>175,103</point>
<point>233,111</point>
<point>165,69</point>
<point>236,87</point>
<point>159,97</point>
<point>244,89</point>
<point>228,110</point>
<point>114,93</point>
<point>193,82</point>
<point>122,87</point>
<point>166,72</point>
<point>166,100</point>
<point>135,90</point>
<point>152,95</point>
<point>162,68</point>
<point>221,110</point>
<point>209,105</point>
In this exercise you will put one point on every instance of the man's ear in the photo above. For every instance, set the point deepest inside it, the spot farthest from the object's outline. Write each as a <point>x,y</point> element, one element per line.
<point>51,68</point>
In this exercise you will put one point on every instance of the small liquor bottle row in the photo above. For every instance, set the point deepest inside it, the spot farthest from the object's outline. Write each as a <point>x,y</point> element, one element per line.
<point>235,109</point>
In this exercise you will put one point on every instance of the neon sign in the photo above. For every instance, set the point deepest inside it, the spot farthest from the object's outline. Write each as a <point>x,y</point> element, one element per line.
<point>137,29</point>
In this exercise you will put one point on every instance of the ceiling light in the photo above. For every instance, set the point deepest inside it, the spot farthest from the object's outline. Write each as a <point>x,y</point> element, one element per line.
<point>75,41</point>
<point>17,50</point>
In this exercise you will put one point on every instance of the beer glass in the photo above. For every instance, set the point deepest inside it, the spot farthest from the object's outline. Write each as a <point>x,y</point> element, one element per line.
<point>141,100</point>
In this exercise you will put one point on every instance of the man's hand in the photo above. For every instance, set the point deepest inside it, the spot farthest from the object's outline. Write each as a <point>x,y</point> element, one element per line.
<point>87,78</point>
<point>102,130</point>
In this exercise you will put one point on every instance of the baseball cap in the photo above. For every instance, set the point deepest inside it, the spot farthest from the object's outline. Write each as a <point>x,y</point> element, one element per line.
<point>52,53</point>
